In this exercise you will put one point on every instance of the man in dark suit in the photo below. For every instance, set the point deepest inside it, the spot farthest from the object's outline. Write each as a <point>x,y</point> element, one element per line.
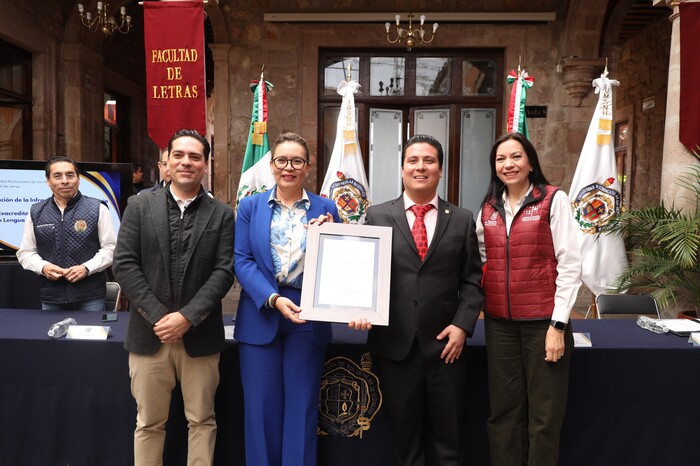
<point>435,302</point>
<point>174,260</point>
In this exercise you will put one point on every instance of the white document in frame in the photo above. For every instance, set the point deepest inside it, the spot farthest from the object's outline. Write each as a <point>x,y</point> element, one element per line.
<point>348,273</point>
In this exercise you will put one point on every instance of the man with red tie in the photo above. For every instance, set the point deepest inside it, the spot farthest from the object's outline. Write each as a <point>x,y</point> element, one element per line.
<point>435,302</point>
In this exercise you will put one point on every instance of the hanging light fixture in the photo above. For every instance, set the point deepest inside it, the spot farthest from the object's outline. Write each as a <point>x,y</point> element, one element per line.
<point>410,36</point>
<point>102,22</point>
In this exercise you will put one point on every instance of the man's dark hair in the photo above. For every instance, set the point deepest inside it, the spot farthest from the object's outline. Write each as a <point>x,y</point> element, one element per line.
<point>193,134</point>
<point>427,139</point>
<point>57,159</point>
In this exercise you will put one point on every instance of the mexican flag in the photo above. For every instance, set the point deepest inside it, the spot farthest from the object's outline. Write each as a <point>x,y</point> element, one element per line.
<point>345,181</point>
<point>256,176</point>
<point>595,196</point>
<point>516,109</point>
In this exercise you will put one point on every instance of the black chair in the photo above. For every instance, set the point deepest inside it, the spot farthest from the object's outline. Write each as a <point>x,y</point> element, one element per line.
<point>617,304</point>
<point>114,294</point>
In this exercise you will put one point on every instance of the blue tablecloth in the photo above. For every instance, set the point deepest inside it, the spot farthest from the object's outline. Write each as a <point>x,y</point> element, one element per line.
<point>632,400</point>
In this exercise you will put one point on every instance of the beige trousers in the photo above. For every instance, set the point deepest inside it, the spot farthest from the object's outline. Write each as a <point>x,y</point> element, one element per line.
<point>153,378</point>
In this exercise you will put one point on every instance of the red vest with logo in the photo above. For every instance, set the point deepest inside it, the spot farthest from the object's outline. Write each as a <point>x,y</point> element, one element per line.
<point>521,272</point>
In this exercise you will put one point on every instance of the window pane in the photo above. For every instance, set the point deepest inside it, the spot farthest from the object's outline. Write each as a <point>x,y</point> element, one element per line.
<point>478,77</point>
<point>387,75</point>
<point>478,133</point>
<point>384,154</point>
<point>433,76</point>
<point>436,123</point>
<point>335,70</point>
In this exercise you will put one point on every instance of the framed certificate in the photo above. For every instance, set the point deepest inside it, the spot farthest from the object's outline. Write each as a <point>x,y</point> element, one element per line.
<point>347,272</point>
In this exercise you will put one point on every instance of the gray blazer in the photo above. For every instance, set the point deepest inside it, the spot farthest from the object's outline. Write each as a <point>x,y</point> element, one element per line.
<point>141,266</point>
<point>428,296</point>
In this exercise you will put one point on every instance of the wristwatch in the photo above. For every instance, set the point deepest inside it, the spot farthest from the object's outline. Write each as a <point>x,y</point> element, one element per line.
<point>557,325</point>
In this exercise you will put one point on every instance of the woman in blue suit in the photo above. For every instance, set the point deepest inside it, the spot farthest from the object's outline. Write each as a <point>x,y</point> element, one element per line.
<point>281,355</point>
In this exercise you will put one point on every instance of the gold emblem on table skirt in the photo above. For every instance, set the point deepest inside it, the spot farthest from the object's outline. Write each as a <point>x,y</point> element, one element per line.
<point>350,397</point>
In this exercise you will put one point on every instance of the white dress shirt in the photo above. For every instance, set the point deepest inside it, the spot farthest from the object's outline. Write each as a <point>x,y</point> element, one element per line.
<point>566,249</point>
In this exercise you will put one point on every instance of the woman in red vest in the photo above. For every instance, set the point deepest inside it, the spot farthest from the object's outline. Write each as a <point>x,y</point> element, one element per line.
<point>528,243</point>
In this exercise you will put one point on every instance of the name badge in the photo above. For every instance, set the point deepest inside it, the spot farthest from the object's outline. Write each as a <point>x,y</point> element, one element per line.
<point>88,332</point>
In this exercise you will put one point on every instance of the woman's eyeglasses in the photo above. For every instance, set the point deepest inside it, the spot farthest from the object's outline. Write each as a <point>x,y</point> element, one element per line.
<point>282,162</point>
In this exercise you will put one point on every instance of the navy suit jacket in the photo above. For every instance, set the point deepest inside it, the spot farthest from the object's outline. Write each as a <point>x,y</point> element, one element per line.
<point>428,296</point>
<point>255,324</point>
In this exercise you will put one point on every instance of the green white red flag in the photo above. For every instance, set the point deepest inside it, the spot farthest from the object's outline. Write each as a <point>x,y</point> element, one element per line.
<point>595,196</point>
<point>346,181</point>
<point>516,110</point>
<point>256,176</point>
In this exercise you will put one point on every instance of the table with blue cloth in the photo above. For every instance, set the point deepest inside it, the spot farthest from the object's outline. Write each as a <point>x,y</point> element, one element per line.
<point>632,400</point>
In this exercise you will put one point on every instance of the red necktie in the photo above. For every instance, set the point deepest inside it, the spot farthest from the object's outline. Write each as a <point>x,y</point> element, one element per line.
<point>420,234</point>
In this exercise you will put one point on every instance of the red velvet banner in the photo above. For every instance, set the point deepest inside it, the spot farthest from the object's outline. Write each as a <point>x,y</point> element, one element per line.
<point>175,92</point>
<point>689,112</point>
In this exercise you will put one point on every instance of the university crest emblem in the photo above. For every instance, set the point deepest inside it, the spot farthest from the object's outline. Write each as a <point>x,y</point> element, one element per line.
<point>80,225</point>
<point>350,397</point>
<point>595,206</point>
<point>350,197</point>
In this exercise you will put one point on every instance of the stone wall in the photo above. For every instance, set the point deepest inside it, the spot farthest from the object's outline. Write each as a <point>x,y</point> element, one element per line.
<point>289,52</point>
<point>642,72</point>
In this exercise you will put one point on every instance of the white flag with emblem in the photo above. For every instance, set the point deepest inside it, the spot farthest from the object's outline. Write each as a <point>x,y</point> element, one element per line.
<point>596,197</point>
<point>345,182</point>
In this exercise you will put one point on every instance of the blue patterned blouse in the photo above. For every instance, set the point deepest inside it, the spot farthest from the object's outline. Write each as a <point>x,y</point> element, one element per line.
<point>288,239</point>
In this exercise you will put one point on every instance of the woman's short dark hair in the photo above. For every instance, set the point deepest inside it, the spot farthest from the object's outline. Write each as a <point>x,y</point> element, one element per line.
<point>193,134</point>
<point>536,177</point>
<point>288,136</point>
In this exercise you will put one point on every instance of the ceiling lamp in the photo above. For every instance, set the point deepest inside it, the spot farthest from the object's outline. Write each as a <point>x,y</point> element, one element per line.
<point>107,24</point>
<point>410,36</point>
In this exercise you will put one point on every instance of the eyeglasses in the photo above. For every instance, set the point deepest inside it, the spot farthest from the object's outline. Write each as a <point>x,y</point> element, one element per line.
<point>282,162</point>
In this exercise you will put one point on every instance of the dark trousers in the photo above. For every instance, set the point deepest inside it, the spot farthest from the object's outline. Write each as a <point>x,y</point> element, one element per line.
<point>424,385</point>
<point>527,394</point>
<point>281,383</point>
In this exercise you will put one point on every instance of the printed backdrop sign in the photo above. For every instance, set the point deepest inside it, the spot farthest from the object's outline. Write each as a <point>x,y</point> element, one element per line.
<point>175,92</point>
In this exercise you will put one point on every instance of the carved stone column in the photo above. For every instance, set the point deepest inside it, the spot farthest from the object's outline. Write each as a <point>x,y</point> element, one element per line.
<point>578,74</point>
<point>222,159</point>
<point>676,157</point>
<point>83,102</point>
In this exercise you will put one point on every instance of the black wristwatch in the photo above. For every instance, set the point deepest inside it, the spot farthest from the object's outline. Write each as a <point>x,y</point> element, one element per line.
<point>561,326</point>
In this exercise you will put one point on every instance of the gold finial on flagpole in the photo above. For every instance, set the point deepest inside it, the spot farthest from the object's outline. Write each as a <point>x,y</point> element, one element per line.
<point>605,71</point>
<point>519,61</point>
<point>262,72</point>
<point>349,72</point>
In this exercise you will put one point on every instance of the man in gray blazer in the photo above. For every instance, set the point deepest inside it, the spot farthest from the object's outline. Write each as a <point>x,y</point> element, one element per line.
<point>435,301</point>
<point>174,260</point>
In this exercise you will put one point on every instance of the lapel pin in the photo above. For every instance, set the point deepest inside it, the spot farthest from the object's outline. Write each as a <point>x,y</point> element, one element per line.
<point>447,211</point>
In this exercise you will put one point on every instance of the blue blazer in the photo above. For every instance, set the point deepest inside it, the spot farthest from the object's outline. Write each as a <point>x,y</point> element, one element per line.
<point>256,324</point>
